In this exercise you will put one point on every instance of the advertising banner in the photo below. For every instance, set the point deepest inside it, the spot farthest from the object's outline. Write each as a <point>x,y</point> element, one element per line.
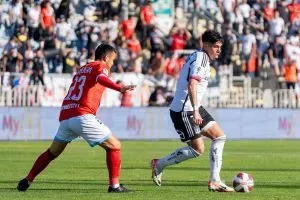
<point>153,123</point>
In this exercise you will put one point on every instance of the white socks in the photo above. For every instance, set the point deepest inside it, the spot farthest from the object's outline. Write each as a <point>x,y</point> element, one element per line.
<point>176,157</point>
<point>216,152</point>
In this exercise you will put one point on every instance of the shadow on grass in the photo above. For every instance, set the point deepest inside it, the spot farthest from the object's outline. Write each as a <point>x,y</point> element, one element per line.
<point>201,169</point>
<point>147,183</point>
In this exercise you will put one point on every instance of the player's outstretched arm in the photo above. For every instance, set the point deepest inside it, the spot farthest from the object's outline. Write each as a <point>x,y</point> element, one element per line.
<point>127,88</point>
<point>106,82</point>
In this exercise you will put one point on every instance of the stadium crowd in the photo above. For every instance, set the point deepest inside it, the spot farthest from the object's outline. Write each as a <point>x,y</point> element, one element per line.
<point>261,37</point>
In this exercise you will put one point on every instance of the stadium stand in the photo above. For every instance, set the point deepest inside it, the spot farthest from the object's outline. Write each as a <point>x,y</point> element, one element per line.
<point>42,43</point>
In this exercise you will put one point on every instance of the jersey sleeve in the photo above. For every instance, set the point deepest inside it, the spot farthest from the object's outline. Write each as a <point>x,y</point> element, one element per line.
<point>101,71</point>
<point>198,65</point>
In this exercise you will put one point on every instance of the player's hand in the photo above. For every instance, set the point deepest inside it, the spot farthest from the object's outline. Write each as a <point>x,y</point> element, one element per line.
<point>197,117</point>
<point>127,88</point>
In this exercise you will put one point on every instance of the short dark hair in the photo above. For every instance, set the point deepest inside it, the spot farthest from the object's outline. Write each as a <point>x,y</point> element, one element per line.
<point>211,36</point>
<point>103,50</point>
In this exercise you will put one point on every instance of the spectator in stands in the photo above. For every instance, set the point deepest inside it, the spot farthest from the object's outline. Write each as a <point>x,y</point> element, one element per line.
<point>227,7</point>
<point>157,97</point>
<point>13,61</point>
<point>128,26</point>
<point>39,23</point>
<point>157,64</point>
<point>50,46</point>
<point>134,46</point>
<point>146,20</point>
<point>290,73</point>
<point>112,27</point>
<point>125,97</point>
<point>248,51</point>
<point>69,63</point>
<point>294,9</point>
<point>155,41</point>
<point>39,65</point>
<point>276,55</point>
<point>33,21</point>
<point>283,12</point>
<point>29,55</point>
<point>276,26</point>
<point>244,9</point>
<point>63,30</point>
<point>179,37</point>
<point>268,14</point>
<point>229,48</point>
<point>172,66</point>
<point>82,57</point>
<point>47,16</point>
<point>124,58</point>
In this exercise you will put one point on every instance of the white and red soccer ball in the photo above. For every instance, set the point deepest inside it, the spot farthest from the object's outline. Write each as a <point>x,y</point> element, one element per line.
<point>243,182</point>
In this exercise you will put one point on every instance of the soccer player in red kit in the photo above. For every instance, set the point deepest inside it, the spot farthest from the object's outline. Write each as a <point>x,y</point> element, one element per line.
<point>78,118</point>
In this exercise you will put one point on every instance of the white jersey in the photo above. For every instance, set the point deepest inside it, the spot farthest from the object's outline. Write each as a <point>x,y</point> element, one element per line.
<point>196,66</point>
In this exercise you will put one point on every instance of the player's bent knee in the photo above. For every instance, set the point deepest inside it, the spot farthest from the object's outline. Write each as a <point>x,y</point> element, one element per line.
<point>197,146</point>
<point>222,137</point>
<point>115,144</point>
<point>197,151</point>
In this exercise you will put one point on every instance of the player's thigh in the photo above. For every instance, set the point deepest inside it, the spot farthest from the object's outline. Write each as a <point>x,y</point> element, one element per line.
<point>213,132</point>
<point>197,144</point>
<point>209,126</point>
<point>91,129</point>
<point>64,133</point>
<point>185,126</point>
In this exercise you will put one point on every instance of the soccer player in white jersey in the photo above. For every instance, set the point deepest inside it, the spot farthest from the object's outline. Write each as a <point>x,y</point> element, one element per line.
<point>191,120</point>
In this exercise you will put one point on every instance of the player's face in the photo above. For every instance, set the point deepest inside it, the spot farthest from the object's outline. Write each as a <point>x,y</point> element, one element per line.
<point>214,50</point>
<point>110,59</point>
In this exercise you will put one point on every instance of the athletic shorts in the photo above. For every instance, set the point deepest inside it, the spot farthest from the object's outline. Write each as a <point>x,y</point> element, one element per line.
<point>91,129</point>
<point>185,126</point>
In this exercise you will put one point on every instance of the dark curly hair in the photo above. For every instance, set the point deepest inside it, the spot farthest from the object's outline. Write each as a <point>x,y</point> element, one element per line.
<point>211,36</point>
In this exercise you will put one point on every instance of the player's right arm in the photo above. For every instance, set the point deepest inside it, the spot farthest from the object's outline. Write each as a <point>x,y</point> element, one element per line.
<point>107,82</point>
<point>197,67</point>
<point>192,89</point>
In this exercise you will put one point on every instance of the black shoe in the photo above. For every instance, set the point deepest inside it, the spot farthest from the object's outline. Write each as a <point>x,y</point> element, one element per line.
<point>119,189</point>
<point>23,185</point>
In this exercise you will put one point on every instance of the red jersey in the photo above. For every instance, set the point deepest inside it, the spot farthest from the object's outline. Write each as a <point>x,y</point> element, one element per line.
<point>178,42</point>
<point>84,95</point>
<point>128,28</point>
<point>148,14</point>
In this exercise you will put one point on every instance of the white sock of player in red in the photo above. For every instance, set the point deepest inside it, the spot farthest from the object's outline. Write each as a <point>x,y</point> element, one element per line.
<point>176,157</point>
<point>215,156</point>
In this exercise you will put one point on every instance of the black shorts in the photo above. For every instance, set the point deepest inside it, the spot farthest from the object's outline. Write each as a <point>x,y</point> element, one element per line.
<point>184,124</point>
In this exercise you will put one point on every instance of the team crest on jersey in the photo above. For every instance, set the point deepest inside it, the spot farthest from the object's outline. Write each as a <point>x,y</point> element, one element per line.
<point>105,71</point>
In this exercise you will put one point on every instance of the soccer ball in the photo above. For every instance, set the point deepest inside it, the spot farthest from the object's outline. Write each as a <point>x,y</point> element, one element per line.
<point>243,182</point>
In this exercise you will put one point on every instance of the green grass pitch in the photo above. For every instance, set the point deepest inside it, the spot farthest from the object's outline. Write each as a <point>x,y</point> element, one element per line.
<point>80,173</point>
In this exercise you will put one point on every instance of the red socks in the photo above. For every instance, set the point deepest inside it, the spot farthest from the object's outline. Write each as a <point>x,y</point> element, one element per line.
<point>40,164</point>
<point>113,161</point>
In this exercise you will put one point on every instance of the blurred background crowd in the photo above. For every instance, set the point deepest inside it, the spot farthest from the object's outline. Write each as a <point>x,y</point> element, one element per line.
<point>261,38</point>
